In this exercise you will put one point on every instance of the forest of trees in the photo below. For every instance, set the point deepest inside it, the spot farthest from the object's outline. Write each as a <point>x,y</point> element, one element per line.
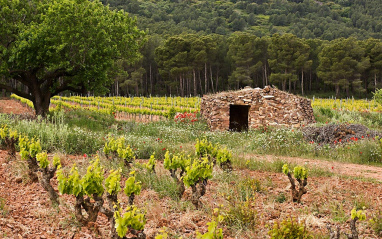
<point>192,64</point>
<point>301,46</point>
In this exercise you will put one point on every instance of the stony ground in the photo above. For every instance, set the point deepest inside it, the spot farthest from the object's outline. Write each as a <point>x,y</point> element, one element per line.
<point>26,212</point>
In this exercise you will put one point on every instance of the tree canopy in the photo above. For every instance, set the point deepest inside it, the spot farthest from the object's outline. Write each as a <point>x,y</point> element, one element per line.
<point>48,47</point>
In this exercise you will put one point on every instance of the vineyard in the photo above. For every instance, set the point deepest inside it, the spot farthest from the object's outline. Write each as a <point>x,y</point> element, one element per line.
<point>105,175</point>
<point>121,107</point>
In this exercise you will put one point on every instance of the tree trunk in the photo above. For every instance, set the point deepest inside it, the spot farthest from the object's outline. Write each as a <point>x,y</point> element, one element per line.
<point>212,81</point>
<point>179,182</point>
<point>375,81</point>
<point>32,169</point>
<point>48,174</point>
<point>310,81</point>
<point>205,78</point>
<point>337,87</point>
<point>41,104</point>
<point>302,82</point>
<point>195,89</point>
<point>200,83</point>
<point>217,79</point>
<point>151,81</point>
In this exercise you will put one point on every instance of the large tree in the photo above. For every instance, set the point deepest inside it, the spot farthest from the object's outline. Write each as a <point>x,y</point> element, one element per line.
<point>52,46</point>
<point>342,62</point>
<point>288,55</point>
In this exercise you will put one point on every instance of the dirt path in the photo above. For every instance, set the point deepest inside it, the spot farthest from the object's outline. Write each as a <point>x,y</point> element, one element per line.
<point>10,106</point>
<point>348,169</point>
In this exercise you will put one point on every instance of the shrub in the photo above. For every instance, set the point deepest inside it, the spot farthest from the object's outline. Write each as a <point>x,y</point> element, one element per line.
<point>289,229</point>
<point>376,223</point>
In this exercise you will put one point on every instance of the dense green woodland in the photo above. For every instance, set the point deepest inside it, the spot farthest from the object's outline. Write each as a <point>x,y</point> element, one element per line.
<point>324,19</point>
<point>195,47</point>
<point>189,47</point>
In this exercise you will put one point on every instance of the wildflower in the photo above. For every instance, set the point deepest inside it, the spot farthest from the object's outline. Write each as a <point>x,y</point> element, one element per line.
<point>362,136</point>
<point>332,167</point>
<point>85,155</point>
<point>181,146</point>
<point>340,140</point>
<point>164,149</point>
<point>360,152</point>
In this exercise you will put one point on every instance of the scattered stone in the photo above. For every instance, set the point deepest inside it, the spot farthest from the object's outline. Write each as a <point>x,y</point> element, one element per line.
<point>18,180</point>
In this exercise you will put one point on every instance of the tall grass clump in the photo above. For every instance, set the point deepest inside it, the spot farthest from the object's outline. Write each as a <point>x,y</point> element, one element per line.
<point>55,135</point>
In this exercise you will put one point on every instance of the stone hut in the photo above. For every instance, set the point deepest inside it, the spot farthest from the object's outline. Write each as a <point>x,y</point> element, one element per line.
<point>249,108</point>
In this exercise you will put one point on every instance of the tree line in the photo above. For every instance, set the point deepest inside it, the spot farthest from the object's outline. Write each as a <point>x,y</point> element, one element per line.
<point>191,64</point>
<point>324,19</point>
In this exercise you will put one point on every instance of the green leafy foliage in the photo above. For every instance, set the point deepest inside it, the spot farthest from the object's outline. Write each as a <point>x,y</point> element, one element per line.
<point>241,214</point>
<point>132,218</point>
<point>359,214</point>
<point>289,229</point>
<point>205,148</point>
<point>112,182</point>
<point>213,231</point>
<point>29,147</point>
<point>285,169</point>
<point>198,171</point>
<point>174,162</point>
<point>131,186</point>
<point>223,156</point>
<point>89,184</point>
<point>69,185</point>
<point>300,172</point>
<point>171,113</point>
<point>3,132</point>
<point>45,34</point>
<point>150,165</point>
<point>6,132</point>
<point>56,161</point>
<point>376,223</point>
<point>93,179</point>
<point>34,148</point>
<point>42,159</point>
<point>377,95</point>
<point>119,147</point>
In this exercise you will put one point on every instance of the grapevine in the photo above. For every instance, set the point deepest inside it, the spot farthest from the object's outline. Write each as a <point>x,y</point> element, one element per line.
<point>196,177</point>
<point>48,174</point>
<point>132,187</point>
<point>9,137</point>
<point>29,148</point>
<point>85,188</point>
<point>173,163</point>
<point>301,175</point>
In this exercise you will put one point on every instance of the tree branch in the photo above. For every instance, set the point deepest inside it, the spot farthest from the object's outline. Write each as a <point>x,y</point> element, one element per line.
<point>17,92</point>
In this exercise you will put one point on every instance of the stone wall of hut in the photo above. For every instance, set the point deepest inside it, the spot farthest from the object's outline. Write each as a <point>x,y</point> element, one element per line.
<point>268,106</point>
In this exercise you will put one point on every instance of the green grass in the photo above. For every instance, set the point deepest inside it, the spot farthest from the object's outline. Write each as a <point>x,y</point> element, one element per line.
<point>82,131</point>
<point>164,185</point>
<point>89,120</point>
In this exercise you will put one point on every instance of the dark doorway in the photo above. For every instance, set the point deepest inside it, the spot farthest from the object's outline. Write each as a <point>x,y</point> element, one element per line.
<point>238,117</point>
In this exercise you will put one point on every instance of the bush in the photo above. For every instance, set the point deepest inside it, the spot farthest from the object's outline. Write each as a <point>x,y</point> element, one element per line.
<point>289,229</point>
<point>377,95</point>
<point>376,224</point>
